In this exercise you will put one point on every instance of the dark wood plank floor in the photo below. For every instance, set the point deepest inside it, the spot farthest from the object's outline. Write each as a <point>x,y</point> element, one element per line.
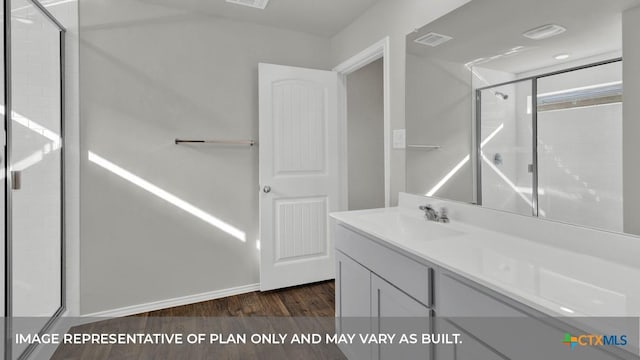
<point>304,309</point>
<point>307,300</point>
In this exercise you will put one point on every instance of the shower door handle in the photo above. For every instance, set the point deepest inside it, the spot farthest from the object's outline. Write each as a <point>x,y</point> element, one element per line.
<point>16,180</point>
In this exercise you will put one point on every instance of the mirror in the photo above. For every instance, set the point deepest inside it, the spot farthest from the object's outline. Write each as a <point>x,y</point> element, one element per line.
<point>518,106</point>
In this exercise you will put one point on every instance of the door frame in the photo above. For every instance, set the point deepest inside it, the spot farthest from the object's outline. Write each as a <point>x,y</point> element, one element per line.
<point>378,50</point>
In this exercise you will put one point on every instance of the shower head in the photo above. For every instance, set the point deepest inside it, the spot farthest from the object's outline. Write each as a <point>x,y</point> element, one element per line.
<point>500,95</point>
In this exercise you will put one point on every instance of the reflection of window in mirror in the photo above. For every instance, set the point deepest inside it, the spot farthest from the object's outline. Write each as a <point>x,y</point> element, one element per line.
<point>541,94</point>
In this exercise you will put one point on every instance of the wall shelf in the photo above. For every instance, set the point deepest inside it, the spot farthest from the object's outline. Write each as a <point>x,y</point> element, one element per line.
<point>424,147</point>
<point>216,142</point>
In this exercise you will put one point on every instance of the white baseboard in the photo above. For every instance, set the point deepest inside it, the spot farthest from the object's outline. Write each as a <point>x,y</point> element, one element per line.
<point>180,301</point>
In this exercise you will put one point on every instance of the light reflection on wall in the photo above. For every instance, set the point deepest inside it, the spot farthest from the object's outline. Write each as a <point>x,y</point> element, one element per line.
<point>449,175</point>
<point>38,155</point>
<point>462,162</point>
<point>516,189</point>
<point>45,3</point>
<point>168,197</point>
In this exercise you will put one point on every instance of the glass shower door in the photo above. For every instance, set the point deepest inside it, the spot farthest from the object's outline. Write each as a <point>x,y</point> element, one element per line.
<point>35,143</point>
<point>504,147</point>
<point>551,146</point>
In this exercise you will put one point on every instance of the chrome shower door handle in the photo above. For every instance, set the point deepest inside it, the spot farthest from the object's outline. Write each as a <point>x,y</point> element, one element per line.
<point>16,180</point>
<point>267,189</point>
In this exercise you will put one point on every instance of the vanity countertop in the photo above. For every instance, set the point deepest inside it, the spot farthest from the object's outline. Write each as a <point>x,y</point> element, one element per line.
<point>553,280</point>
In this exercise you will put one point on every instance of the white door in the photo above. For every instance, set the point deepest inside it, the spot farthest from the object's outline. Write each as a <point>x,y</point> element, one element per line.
<point>298,174</point>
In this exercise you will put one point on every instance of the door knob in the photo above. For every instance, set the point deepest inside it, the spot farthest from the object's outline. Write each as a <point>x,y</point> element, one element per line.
<point>267,189</point>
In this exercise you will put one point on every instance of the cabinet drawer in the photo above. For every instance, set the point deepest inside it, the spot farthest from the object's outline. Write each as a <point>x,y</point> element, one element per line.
<point>461,300</point>
<point>410,276</point>
<point>512,332</point>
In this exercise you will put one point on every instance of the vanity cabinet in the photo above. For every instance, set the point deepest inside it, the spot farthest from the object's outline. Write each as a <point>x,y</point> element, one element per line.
<point>380,290</point>
<point>412,277</point>
<point>368,304</point>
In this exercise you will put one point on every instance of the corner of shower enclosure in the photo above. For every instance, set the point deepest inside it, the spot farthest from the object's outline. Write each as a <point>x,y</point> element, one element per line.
<point>32,170</point>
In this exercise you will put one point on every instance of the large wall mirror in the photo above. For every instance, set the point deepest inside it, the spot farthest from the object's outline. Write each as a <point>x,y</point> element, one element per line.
<point>531,107</point>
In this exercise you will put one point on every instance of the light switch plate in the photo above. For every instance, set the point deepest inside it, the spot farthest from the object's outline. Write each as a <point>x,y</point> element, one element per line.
<point>399,139</point>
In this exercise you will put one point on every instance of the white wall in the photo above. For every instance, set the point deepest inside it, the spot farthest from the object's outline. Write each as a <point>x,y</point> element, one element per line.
<point>631,115</point>
<point>439,112</point>
<point>393,18</point>
<point>150,75</point>
<point>365,136</point>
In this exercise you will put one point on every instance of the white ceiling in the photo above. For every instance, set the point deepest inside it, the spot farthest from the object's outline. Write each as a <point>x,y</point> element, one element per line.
<point>319,17</point>
<point>487,28</point>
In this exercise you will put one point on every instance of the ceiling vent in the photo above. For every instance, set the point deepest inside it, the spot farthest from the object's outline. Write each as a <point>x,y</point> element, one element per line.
<point>258,4</point>
<point>544,32</point>
<point>433,39</point>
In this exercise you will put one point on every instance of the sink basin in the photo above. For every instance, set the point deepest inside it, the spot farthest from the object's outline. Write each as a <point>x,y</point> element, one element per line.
<point>416,227</point>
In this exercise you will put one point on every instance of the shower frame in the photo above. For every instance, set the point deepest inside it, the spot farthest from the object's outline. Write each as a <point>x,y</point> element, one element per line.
<point>534,127</point>
<point>8,183</point>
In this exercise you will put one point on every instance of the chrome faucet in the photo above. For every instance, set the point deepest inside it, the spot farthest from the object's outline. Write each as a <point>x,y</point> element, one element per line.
<point>431,214</point>
<point>444,215</point>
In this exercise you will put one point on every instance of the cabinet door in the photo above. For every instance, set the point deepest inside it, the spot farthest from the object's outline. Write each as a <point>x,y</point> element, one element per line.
<point>395,312</point>
<point>353,304</point>
<point>468,348</point>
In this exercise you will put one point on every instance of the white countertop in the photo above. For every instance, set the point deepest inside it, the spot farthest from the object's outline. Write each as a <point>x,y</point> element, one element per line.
<point>553,280</point>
